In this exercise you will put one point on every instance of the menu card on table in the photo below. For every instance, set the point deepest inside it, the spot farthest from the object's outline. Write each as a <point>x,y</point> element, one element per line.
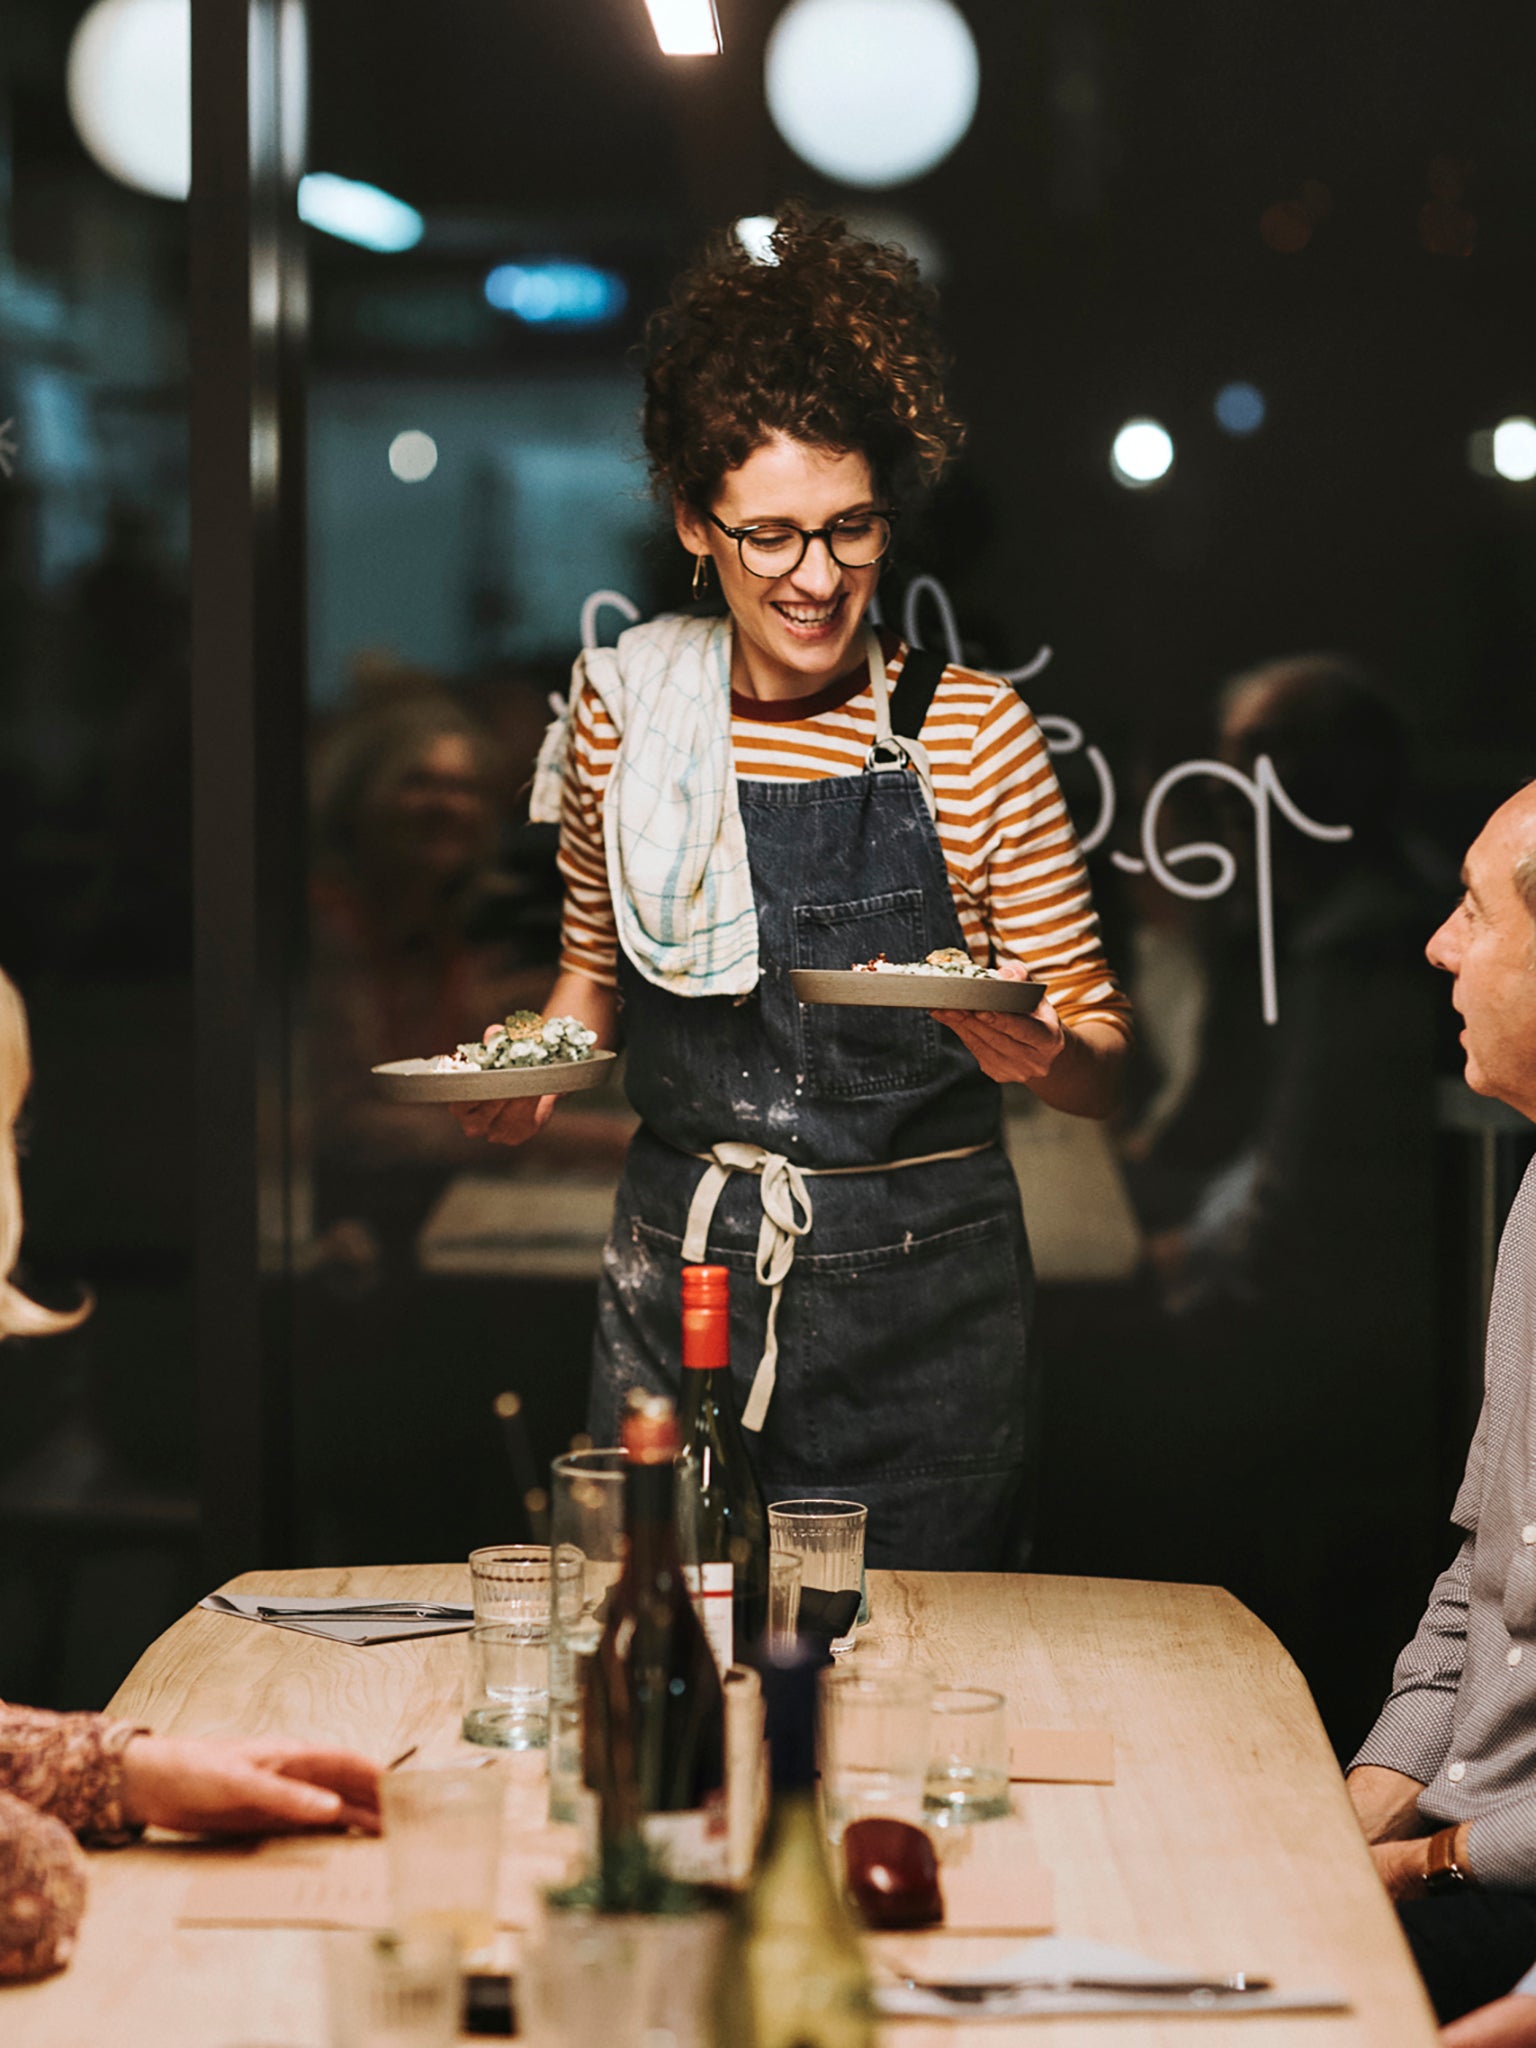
<point>344,1882</point>
<point>1061,1756</point>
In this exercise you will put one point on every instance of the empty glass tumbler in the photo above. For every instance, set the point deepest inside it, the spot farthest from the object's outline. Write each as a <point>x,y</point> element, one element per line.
<point>967,1776</point>
<point>506,1688</point>
<point>875,1743</point>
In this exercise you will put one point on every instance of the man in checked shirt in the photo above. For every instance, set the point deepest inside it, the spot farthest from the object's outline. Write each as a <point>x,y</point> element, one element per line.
<point>1445,1785</point>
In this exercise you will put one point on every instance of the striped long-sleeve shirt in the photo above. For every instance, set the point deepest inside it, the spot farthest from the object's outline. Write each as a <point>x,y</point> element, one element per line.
<point>1461,1716</point>
<point>1015,872</point>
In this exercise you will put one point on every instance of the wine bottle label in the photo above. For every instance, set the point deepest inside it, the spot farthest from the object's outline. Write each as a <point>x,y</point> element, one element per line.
<point>693,1847</point>
<point>712,1586</point>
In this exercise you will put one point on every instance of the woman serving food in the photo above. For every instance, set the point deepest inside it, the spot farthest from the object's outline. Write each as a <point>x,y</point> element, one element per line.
<point>784,788</point>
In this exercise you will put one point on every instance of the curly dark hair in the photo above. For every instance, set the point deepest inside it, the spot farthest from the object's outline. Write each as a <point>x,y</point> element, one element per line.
<point>832,342</point>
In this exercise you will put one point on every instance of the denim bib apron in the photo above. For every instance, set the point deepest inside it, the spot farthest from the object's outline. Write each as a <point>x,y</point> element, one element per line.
<point>902,1377</point>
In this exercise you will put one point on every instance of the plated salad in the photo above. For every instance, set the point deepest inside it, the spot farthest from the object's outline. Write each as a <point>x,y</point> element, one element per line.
<point>946,960</point>
<point>525,1039</point>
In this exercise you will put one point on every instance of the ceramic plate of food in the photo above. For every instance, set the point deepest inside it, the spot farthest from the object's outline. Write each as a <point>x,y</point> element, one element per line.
<point>526,1055</point>
<point>946,980</point>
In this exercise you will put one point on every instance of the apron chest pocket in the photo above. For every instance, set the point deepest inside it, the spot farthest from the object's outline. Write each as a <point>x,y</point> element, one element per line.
<point>847,1052</point>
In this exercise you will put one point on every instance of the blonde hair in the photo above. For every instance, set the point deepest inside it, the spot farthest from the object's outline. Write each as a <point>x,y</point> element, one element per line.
<point>20,1316</point>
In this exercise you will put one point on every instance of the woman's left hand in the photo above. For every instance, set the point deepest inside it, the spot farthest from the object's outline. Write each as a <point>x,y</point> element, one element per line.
<point>200,1786</point>
<point>1006,1047</point>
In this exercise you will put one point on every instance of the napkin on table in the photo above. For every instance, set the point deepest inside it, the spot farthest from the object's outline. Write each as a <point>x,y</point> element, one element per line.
<point>299,1613</point>
<point>1057,1956</point>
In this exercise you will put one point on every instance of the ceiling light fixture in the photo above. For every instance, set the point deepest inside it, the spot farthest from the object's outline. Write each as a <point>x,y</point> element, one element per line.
<point>129,82</point>
<point>685,28</point>
<point>1514,449</point>
<point>1142,454</point>
<point>359,213</point>
<point>872,93</point>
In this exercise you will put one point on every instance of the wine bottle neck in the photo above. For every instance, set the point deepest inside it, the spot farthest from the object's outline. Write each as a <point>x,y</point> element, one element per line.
<point>793,1825</point>
<point>650,1494</point>
<point>706,1338</point>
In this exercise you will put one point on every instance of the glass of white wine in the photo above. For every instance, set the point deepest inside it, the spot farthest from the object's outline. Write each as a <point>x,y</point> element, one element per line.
<point>442,1834</point>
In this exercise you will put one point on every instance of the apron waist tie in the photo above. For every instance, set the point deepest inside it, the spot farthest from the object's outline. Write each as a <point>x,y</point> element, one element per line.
<point>786,1218</point>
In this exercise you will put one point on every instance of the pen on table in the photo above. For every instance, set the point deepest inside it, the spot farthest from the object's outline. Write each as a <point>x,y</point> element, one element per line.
<point>403,1758</point>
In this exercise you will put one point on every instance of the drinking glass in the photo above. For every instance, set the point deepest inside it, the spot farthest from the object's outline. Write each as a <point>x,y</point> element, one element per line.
<point>506,1686</point>
<point>506,1694</point>
<point>628,1980</point>
<point>442,1836</point>
<point>968,1760</point>
<point>828,1538</point>
<point>586,1530</point>
<point>875,1744</point>
<point>783,1598</point>
<point>393,1990</point>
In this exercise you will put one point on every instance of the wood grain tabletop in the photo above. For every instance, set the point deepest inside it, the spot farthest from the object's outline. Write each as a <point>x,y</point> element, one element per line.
<point>1226,1841</point>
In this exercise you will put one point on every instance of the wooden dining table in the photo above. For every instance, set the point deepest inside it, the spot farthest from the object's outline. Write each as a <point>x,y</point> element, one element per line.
<point>1225,1840</point>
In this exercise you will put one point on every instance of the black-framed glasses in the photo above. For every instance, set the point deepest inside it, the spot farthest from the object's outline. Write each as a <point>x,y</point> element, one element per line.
<point>774,547</point>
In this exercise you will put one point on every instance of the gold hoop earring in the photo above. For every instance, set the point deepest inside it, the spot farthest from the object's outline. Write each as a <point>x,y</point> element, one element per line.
<point>700,575</point>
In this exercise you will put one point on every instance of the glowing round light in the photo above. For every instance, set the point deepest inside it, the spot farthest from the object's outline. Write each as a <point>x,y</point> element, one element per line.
<point>1142,454</point>
<point>1240,408</point>
<point>557,294</point>
<point>754,231</point>
<point>413,456</point>
<point>129,82</point>
<point>871,92</point>
<point>359,213</point>
<point>1514,449</point>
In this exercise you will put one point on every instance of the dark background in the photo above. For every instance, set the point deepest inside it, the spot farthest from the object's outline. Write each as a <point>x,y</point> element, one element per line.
<point>1152,203</point>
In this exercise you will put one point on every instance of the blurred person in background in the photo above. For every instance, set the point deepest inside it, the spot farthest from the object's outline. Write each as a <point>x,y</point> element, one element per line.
<point>421,936</point>
<point>1347,919</point>
<point>63,1775</point>
<point>1290,1333</point>
<point>413,943</point>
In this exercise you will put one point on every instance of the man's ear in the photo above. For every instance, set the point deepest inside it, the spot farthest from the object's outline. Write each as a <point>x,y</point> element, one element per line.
<point>693,529</point>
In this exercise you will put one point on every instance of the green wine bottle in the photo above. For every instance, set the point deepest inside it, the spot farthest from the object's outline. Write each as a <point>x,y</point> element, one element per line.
<point>795,1975</point>
<point>731,1517</point>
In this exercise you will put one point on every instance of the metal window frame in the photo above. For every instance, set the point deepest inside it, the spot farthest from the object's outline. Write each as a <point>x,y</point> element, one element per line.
<point>247,335</point>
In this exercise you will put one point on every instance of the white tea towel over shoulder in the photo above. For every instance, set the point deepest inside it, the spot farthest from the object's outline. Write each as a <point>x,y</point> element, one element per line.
<point>676,848</point>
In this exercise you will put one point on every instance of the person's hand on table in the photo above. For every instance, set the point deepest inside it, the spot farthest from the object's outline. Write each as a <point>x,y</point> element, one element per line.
<point>1507,2023</point>
<point>247,1787</point>
<point>1005,1047</point>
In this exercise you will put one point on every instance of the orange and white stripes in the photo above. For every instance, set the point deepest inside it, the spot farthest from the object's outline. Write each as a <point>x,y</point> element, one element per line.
<point>1018,880</point>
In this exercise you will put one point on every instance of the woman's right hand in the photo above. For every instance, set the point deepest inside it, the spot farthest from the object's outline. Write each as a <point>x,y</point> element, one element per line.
<point>516,1120</point>
<point>505,1123</point>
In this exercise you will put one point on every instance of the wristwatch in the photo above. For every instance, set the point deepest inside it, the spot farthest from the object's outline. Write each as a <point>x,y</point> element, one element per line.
<point>1443,1873</point>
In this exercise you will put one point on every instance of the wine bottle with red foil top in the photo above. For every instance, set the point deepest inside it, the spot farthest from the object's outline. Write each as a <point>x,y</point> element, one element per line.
<point>653,1736</point>
<point>731,1518</point>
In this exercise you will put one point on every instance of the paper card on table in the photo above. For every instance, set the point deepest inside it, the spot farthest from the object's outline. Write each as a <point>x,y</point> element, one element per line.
<point>1061,1756</point>
<point>340,1883</point>
<point>993,1881</point>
